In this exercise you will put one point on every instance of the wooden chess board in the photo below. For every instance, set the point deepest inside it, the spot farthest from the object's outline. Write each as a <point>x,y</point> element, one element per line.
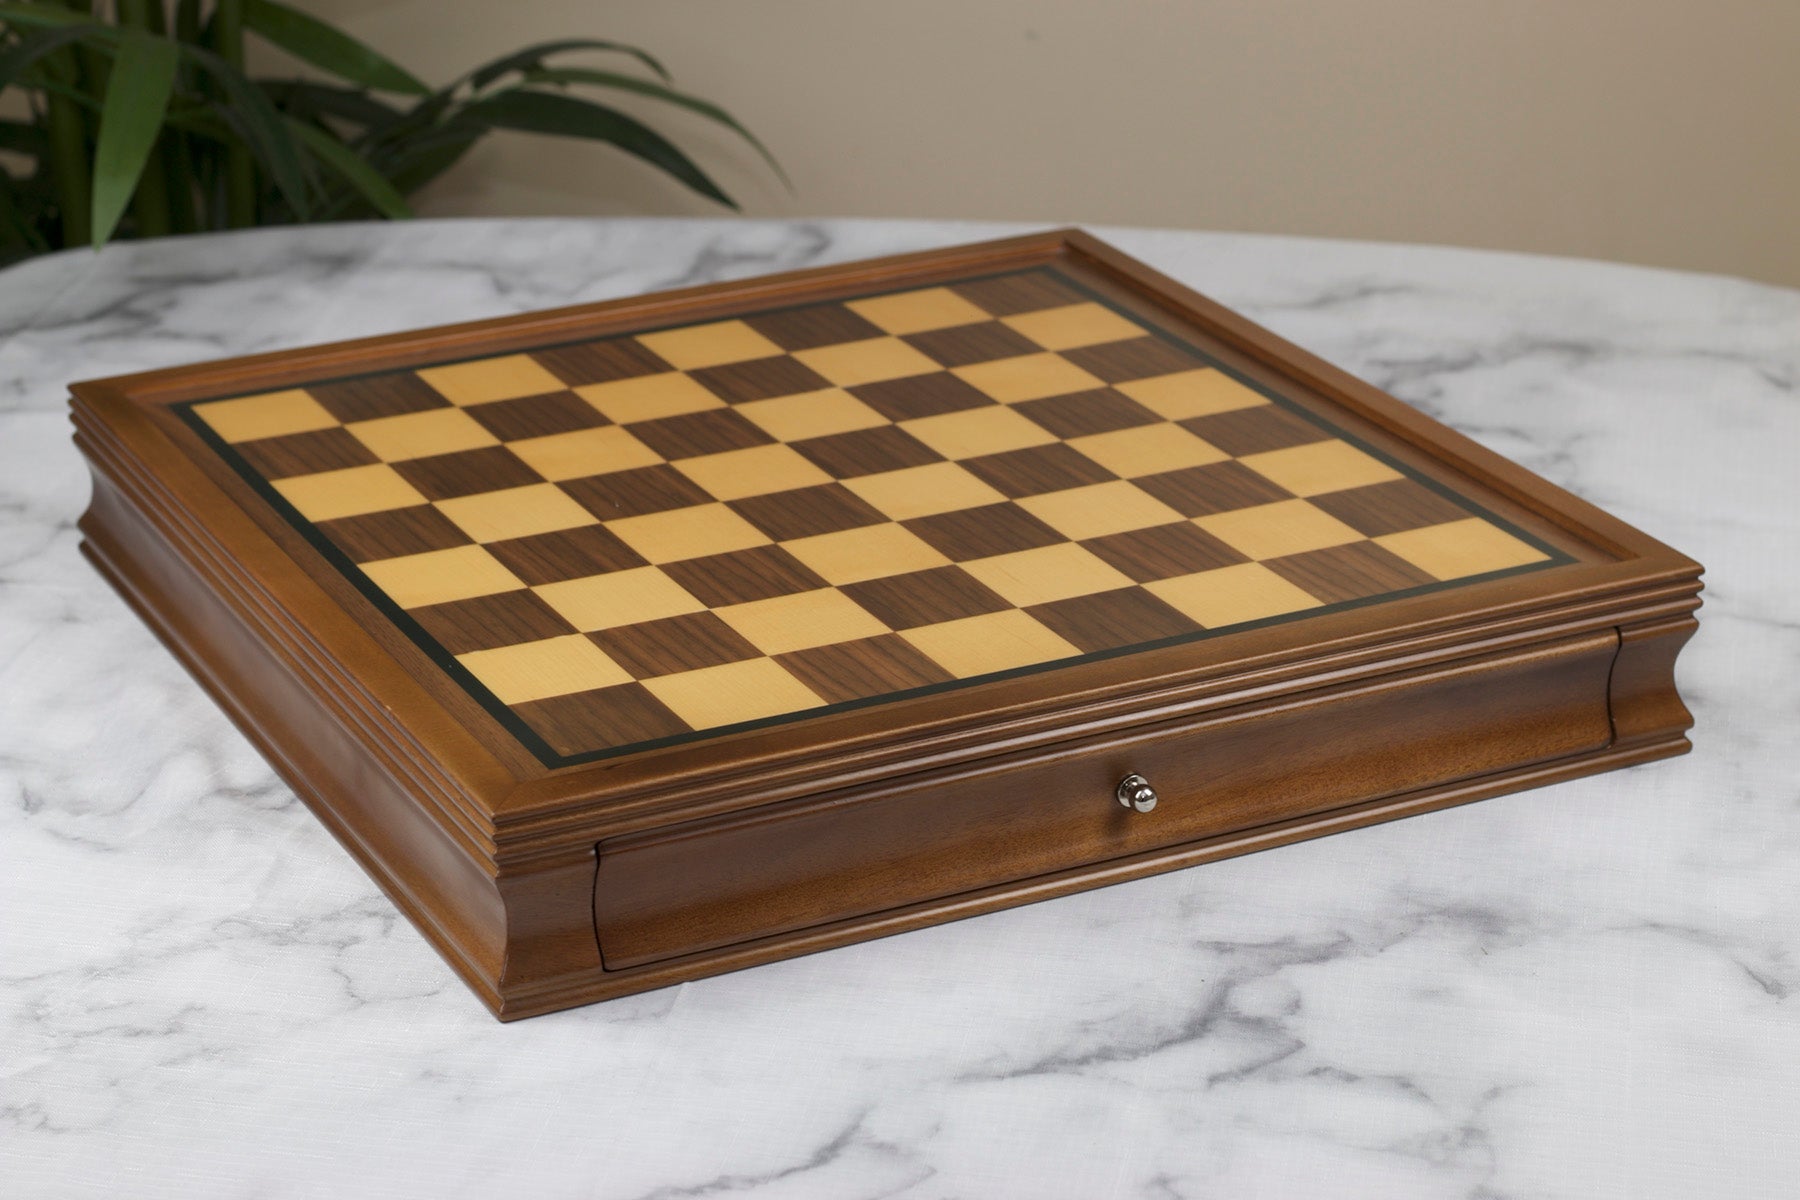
<point>626,541</point>
<point>681,629</point>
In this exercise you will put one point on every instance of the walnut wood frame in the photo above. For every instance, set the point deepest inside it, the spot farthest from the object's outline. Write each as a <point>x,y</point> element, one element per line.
<point>539,886</point>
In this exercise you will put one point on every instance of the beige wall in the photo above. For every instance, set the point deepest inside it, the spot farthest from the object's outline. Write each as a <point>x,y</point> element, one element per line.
<point>1653,131</point>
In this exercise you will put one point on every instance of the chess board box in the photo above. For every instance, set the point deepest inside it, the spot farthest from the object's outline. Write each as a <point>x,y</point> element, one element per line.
<point>640,641</point>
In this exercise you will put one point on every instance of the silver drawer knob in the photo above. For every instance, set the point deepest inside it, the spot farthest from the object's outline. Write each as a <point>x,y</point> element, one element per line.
<point>1134,791</point>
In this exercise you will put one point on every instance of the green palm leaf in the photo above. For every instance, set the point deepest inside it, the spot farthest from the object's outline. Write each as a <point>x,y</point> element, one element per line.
<point>359,174</point>
<point>532,57</point>
<point>24,54</point>
<point>567,116</point>
<point>311,40</point>
<point>41,15</point>
<point>649,87</point>
<point>137,96</point>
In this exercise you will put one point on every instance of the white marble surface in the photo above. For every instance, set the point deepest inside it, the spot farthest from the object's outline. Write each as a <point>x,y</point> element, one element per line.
<point>1583,991</point>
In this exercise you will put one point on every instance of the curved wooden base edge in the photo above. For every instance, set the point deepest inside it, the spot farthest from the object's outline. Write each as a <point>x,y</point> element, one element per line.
<point>448,897</point>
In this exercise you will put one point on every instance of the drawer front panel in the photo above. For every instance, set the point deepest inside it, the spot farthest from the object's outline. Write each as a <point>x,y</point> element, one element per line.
<point>695,887</point>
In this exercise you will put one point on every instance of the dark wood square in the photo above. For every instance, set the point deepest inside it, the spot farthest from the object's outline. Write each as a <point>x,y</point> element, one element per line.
<point>565,554</point>
<point>684,643</point>
<point>964,344</point>
<point>812,326</point>
<point>1351,572</point>
<point>693,434</point>
<point>861,670</point>
<point>1253,430</point>
<point>803,512</point>
<point>626,712</point>
<point>1081,413</point>
<point>867,452</point>
<point>741,576</point>
<point>925,597</point>
<point>970,533</point>
<point>920,396</point>
<point>600,361</point>
<point>305,453</point>
<point>1038,469</point>
<point>636,492</point>
<point>1134,358</point>
<point>1112,620</point>
<point>1392,507</point>
<point>1217,487</point>
<point>1026,291</point>
<point>386,395</point>
<point>467,472</point>
<point>537,416</point>
<point>1164,551</point>
<point>505,619</point>
<point>393,533</point>
<point>760,379</point>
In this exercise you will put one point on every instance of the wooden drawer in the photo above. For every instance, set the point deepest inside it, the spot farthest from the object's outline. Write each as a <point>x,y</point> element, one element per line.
<point>708,884</point>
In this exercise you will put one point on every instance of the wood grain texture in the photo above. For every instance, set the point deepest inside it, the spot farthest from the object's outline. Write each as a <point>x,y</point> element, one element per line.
<point>691,888</point>
<point>1506,683</point>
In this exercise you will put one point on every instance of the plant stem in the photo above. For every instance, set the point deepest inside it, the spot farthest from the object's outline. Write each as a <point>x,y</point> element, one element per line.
<point>178,166</point>
<point>69,165</point>
<point>240,167</point>
<point>150,204</point>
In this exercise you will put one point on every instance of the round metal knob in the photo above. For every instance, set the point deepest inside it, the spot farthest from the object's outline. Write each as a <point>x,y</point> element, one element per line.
<point>1134,791</point>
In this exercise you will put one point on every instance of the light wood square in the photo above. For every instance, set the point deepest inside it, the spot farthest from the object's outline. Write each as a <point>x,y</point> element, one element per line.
<point>1098,510</point>
<point>811,414</point>
<point>422,434</point>
<point>687,533</point>
<point>1232,595</point>
<point>648,397</point>
<point>918,312</point>
<point>349,492</point>
<point>1458,549</point>
<point>785,623</point>
<point>976,431</point>
<point>618,598</point>
<point>1321,467</point>
<point>1075,325</point>
<point>271,414</point>
<point>537,670</point>
<point>584,452</point>
<point>752,472</point>
<point>1274,530</point>
<point>1027,377</point>
<point>516,512</point>
<point>1148,450</point>
<point>873,552</point>
<point>440,576</point>
<point>697,346</point>
<point>923,491</point>
<point>874,360</point>
<point>1197,393</point>
<point>489,379</point>
<point>992,642</point>
<point>730,693</point>
<point>1047,573</point>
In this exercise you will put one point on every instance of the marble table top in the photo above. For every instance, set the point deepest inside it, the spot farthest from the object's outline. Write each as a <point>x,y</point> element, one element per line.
<point>1588,990</point>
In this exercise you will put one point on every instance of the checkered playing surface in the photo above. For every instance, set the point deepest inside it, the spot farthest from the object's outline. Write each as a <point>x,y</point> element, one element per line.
<point>640,538</point>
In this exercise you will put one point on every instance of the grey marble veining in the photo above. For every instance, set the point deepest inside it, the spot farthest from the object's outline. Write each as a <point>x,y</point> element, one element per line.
<point>1587,990</point>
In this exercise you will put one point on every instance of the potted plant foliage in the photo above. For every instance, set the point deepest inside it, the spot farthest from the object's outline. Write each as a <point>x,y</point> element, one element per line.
<point>139,120</point>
